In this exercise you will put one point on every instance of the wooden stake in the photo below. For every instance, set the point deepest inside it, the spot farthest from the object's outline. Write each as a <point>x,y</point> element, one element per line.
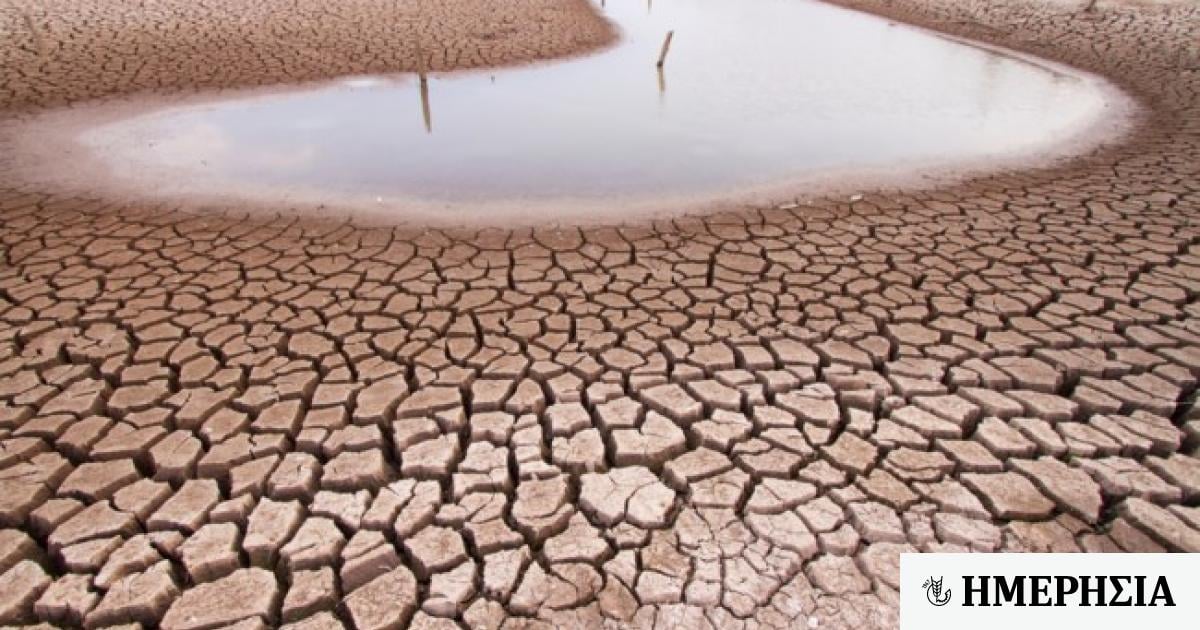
<point>426,114</point>
<point>1091,6</point>
<point>662,57</point>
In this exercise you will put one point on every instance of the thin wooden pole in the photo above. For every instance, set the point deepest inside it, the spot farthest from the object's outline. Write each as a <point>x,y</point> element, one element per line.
<point>666,47</point>
<point>425,110</point>
<point>1091,6</point>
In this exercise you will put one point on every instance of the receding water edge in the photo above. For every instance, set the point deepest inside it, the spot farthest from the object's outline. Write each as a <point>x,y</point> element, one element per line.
<point>46,149</point>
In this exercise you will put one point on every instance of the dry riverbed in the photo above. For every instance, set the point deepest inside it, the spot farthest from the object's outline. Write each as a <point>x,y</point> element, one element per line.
<point>734,420</point>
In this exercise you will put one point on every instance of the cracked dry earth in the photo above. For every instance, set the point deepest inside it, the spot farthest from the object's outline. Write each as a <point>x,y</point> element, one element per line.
<point>56,52</point>
<point>733,421</point>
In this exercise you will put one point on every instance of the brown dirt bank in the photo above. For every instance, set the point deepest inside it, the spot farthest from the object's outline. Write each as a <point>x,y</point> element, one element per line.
<point>62,51</point>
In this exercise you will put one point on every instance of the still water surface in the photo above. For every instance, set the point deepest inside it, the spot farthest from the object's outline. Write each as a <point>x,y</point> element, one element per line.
<point>753,92</point>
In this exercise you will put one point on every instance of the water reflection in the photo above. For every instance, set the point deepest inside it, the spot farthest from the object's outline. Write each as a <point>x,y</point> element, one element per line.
<point>760,91</point>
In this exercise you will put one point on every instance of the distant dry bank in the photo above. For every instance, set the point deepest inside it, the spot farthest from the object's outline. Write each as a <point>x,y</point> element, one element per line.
<point>60,51</point>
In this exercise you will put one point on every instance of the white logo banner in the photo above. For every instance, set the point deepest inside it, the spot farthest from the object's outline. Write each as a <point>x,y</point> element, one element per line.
<point>1016,591</point>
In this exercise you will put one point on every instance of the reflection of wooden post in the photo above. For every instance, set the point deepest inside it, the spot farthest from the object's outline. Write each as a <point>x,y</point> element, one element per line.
<point>425,113</point>
<point>662,56</point>
<point>662,81</point>
<point>1091,6</point>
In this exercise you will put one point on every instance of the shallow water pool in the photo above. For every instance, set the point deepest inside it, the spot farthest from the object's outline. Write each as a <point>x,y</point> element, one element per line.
<point>755,95</point>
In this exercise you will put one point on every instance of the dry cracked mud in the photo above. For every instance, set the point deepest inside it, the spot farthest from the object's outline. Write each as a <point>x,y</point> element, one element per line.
<point>738,420</point>
<point>61,51</point>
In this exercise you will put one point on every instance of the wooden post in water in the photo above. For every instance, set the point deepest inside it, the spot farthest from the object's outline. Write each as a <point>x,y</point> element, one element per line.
<point>425,111</point>
<point>662,56</point>
<point>1091,6</point>
<point>423,83</point>
<point>423,87</point>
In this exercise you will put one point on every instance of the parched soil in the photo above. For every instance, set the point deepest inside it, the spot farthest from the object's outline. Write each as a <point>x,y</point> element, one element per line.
<point>733,421</point>
<point>62,51</point>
